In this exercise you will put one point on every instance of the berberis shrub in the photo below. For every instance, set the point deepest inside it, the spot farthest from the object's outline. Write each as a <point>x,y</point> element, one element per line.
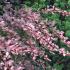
<point>33,37</point>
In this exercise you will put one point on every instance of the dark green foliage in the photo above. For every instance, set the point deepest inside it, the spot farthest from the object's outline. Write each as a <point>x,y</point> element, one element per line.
<point>51,3</point>
<point>22,33</point>
<point>62,17</point>
<point>2,33</point>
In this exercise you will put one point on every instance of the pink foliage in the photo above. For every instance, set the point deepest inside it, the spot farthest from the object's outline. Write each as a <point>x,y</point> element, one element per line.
<point>15,45</point>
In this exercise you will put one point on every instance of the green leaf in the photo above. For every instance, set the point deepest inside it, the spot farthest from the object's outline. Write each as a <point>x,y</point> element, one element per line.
<point>67,25</point>
<point>67,33</point>
<point>58,67</point>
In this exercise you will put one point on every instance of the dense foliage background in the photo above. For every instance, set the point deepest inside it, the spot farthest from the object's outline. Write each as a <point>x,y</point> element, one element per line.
<point>56,24</point>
